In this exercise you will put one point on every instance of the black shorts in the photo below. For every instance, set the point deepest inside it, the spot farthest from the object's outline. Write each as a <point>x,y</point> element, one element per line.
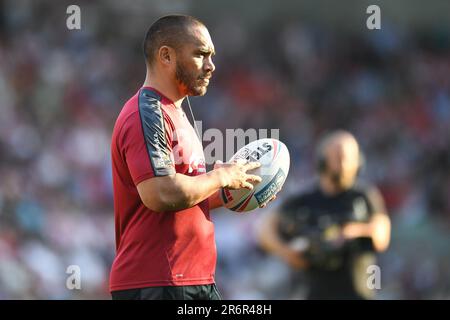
<point>201,292</point>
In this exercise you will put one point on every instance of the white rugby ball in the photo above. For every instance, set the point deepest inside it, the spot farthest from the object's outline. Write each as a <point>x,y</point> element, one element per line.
<point>274,158</point>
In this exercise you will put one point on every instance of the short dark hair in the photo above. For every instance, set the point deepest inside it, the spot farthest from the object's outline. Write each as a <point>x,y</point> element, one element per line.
<point>171,30</point>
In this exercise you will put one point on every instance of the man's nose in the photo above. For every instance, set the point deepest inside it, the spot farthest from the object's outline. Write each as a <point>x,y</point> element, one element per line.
<point>209,65</point>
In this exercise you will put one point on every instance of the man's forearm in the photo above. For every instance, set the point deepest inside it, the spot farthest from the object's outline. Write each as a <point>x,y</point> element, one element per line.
<point>378,229</point>
<point>187,191</point>
<point>354,230</point>
<point>178,191</point>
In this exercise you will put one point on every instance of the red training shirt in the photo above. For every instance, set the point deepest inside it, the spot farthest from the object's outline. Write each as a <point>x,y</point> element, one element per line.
<point>153,138</point>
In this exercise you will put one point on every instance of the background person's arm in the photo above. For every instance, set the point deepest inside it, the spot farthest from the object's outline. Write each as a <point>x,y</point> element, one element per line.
<point>271,241</point>
<point>378,228</point>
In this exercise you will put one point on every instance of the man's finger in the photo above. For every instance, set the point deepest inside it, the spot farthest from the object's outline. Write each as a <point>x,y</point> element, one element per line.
<point>247,185</point>
<point>239,161</point>
<point>218,164</point>
<point>254,178</point>
<point>251,165</point>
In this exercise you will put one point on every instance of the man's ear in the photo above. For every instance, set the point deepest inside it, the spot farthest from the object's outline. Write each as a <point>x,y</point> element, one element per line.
<point>166,55</point>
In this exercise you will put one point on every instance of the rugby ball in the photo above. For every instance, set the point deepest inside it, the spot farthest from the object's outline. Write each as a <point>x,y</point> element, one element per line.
<point>274,158</point>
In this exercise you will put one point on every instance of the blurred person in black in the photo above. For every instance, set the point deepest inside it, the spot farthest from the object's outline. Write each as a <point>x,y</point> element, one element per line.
<point>334,229</point>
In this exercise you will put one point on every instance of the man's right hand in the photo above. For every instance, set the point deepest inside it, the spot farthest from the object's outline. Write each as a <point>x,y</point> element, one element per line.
<point>234,175</point>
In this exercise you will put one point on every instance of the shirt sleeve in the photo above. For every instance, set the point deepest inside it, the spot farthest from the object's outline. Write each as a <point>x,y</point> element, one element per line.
<point>375,200</point>
<point>146,145</point>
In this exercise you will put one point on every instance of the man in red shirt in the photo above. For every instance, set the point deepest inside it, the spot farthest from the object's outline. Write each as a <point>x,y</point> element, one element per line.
<point>162,194</point>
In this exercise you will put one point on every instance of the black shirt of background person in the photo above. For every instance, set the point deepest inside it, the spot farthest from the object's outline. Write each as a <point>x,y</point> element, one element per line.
<point>338,270</point>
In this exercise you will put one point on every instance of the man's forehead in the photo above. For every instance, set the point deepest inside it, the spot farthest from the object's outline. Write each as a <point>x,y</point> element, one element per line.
<point>342,144</point>
<point>201,37</point>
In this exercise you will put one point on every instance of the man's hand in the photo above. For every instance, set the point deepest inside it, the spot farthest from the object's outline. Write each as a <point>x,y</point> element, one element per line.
<point>234,175</point>
<point>270,200</point>
<point>220,164</point>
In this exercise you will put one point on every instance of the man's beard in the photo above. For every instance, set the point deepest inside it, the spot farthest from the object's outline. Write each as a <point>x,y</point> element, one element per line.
<point>189,80</point>
<point>336,178</point>
<point>339,181</point>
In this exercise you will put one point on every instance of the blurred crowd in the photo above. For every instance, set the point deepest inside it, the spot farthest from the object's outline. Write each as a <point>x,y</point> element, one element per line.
<point>61,90</point>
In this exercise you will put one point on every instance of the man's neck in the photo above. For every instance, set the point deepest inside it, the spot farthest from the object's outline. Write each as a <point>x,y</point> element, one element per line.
<point>165,86</point>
